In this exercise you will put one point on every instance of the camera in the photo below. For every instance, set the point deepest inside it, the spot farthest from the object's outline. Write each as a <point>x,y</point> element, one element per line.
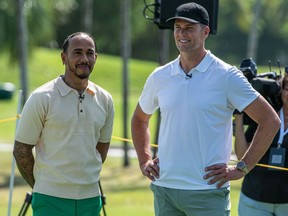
<point>267,84</point>
<point>248,68</point>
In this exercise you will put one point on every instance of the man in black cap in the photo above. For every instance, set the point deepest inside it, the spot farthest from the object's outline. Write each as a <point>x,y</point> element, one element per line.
<point>197,94</point>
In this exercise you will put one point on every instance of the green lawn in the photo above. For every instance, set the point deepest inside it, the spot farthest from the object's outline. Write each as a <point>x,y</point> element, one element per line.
<point>45,64</point>
<point>126,189</point>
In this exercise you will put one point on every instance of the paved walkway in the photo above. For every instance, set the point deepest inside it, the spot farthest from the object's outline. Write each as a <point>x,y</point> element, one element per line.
<point>6,147</point>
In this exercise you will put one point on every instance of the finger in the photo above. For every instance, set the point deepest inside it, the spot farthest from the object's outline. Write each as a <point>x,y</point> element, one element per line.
<point>215,179</point>
<point>221,183</point>
<point>150,176</point>
<point>215,167</point>
<point>213,173</point>
<point>156,160</point>
<point>148,172</point>
<point>153,170</point>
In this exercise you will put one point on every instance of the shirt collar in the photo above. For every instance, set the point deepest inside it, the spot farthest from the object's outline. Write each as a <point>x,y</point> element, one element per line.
<point>201,67</point>
<point>64,89</point>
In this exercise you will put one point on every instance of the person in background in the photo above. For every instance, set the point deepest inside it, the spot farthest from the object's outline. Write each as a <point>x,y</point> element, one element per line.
<point>264,190</point>
<point>69,121</point>
<point>197,94</point>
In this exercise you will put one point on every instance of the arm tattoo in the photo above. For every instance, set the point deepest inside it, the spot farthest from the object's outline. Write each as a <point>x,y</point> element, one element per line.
<point>25,161</point>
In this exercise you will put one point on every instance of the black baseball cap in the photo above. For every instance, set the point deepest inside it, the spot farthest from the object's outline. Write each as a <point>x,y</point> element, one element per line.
<point>191,12</point>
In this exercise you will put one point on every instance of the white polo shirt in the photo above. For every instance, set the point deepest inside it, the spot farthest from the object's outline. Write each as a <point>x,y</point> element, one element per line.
<point>196,118</point>
<point>66,131</point>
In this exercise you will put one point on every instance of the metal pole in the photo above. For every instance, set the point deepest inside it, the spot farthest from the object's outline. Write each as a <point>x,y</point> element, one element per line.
<point>22,44</point>
<point>163,58</point>
<point>126,48</point>
<point>11,184</point>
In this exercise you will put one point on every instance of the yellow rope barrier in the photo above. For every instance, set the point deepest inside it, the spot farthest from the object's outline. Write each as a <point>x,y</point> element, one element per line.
<point>153,145</point>
<point>274,167</point>
<point>10,119</point>
<point>129,140</point>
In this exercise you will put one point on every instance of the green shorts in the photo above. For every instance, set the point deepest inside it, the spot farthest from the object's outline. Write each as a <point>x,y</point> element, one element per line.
<point>44,205</point>
<point>175,202</point>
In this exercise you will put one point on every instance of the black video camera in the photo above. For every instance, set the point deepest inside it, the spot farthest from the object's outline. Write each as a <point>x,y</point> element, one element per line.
<point>266,84</point>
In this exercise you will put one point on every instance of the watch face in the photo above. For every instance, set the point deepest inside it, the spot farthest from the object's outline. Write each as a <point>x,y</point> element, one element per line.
<point>241,164</point>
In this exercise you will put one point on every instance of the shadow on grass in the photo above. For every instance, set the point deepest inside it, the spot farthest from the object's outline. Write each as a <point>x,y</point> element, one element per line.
<point>125,188</point>
<point>119,179</point>
<point>18,181</point>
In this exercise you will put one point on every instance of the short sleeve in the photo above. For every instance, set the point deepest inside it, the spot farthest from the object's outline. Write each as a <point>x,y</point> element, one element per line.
<point>240,92</point>
<point>106,130</point>
<point>32,120</point>
<point>148,100</point>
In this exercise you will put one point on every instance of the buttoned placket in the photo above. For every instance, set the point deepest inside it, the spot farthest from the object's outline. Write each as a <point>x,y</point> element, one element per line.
<point>81,107</point>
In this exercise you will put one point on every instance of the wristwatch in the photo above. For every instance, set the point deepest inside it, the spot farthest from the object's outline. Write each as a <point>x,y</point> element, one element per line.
<point>241,165</point>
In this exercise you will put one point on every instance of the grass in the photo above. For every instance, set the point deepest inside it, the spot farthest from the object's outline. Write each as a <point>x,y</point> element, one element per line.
<point>126,189</point>
<point>45,65</point>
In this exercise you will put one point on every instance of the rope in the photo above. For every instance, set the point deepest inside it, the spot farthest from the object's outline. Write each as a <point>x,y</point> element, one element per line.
<point>129,140</point>
<point>10,119</point>
<point>153,145</point>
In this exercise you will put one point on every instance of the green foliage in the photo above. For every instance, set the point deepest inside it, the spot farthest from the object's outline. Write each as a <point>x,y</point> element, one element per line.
<point>45,65</point>
<point>49,21</point>
<point>40,21</point>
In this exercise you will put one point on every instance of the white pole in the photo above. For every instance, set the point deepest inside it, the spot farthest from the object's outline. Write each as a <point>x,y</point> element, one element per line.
<point>13,160</point>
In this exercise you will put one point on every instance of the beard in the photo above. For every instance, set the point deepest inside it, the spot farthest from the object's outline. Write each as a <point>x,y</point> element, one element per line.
<point>81,75</point>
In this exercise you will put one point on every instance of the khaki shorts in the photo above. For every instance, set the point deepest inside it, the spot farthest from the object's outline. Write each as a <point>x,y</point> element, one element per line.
<point>44,205</point>
<point>175,202</point>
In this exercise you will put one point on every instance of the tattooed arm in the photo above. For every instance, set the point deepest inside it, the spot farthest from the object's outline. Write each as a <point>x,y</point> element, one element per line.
<point>25,161</point>
<point>102,148</point>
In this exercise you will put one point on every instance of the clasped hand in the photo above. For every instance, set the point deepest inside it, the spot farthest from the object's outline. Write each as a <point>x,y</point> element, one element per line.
<point>151,169</point>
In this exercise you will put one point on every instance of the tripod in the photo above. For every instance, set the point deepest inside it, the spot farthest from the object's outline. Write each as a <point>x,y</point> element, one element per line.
<point>103,198</point>
<point>26,204</point>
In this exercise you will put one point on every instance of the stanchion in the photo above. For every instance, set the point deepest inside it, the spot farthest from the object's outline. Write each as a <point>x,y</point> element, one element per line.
<point>12,176</point>
<point>26,204</point>
<point>28,200</point>
<point>103,198</point>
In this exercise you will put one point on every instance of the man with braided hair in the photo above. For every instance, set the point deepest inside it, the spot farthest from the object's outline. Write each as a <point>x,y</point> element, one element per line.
<point>69,121</point>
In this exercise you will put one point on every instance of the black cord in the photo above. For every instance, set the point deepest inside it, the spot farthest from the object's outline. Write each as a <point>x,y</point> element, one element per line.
<point>147,7</point>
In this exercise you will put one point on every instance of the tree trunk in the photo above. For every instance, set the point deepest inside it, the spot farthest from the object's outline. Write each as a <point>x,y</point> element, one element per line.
<point>22,44</point>
<point>88,16</point>
<point>252,44</point>
<point>126,53</point>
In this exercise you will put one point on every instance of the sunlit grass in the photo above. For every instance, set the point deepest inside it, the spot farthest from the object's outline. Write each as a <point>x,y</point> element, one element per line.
<point>126,189</point>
